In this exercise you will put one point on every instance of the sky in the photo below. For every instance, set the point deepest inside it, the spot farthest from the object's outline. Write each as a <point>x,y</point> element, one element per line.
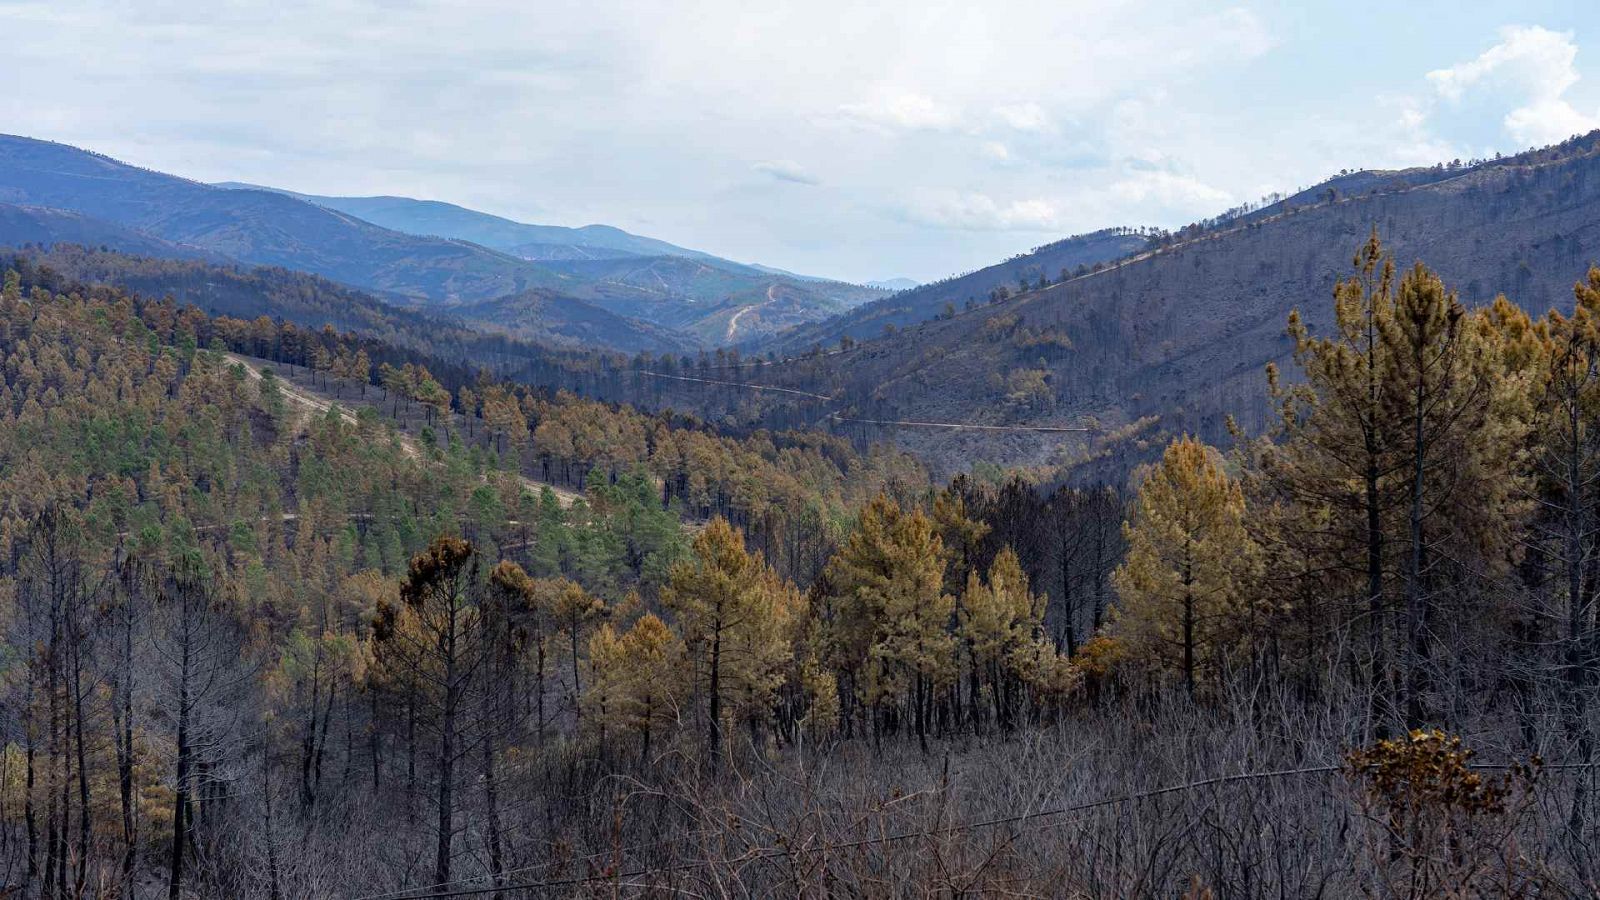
<point>831,137</point>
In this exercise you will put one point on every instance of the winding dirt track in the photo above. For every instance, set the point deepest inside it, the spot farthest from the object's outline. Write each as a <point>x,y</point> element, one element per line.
<point>309,403</point>
<point>733,323</point>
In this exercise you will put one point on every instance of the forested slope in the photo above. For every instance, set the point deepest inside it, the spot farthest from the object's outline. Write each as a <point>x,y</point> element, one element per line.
<point>1180,335</point>
<point>43,226</point>
<point>536,324</point>
<point>255,646</point>
<point>1051,262</point>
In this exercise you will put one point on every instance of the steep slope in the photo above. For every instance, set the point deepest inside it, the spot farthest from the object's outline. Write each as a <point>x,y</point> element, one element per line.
<point>539,314</point>
<point>719,304</point>
<point>43,226</point>
<point>715,300</point>
<point>921,303</point>
<point>257,227</point>
<point>311,399</point>
<point>560,324</point>
<point>1181,333</point>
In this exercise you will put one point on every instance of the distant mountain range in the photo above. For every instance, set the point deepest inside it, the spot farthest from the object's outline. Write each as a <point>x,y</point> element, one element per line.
<point>1133,334</point>
<point>418,252</point>
<point>716,301</point>
<point>559,331</point>
<point>433,217</point>
<point>894,284</point>
<point>256,227</point>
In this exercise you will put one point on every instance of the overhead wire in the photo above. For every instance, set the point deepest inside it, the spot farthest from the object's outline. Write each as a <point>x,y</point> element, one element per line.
<point>899,423</point>
<point>775,852</point>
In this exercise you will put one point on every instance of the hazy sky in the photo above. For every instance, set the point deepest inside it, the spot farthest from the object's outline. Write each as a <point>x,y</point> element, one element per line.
<point>855,139</point>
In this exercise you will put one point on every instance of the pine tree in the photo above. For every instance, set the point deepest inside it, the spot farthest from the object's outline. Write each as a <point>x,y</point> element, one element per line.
<point>432,639</point>
<point>573,610</point>
<point>1463,423</point>
<point>1561,355</point>
<point>732,611</point>
<point>1001,622</point>
<point>890,615</point>
<point>1397,469</point>
<point>1185,584</point>
<point>636,678</point>
<point>1338,463</point>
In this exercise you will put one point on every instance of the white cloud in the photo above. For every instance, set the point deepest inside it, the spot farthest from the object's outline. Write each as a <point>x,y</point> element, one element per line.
<point>1523,80</point>
<point>1538,60</point>
<point>1142,185</point>
<point>1548,122</point>
<point>786,170</point>
<point>976,211</point>
<point>995,151</point>
<point>668,118</point>
<point>889,107</point>
<point>1025,117</point>
<point>1246,35</point>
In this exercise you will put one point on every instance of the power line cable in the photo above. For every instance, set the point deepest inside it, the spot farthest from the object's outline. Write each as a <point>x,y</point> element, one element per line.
<point>743,384</point>
<point>1050,429</point>
<point>774,852</point>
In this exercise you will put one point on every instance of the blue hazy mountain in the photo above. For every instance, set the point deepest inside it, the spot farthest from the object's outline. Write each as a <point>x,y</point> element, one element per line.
<point>422,252</point>
<point>437,218</point>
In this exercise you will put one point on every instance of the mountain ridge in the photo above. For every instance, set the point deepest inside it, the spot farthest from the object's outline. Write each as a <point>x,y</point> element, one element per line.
<point>1174,339</point>
<point>265,227</point>
<point>255,227</point>
<point>912,305</point>
<point>707,297</point>
<point>441,218</point>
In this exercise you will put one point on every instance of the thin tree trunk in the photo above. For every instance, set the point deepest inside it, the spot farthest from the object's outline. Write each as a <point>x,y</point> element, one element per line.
<point>1375,604</point>
<point>716,695</point>
<point>1416,611</point>
<point>492,800</point>
<point>447,752</point>
<point>29,813</point>
<point>122,715</point>
<point>275,891</point>
<point>180,798</point>
<point>85,810</point>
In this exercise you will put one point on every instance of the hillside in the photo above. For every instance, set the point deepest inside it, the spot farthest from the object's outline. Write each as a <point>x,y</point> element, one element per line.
<point>546,332</point>
<point>715,300</point>
<point>538,314</point>
<point>960,291</point>
<point>256,227</point>
<point>718,304</point>
<point>1178,336</point>
<point>44,226</point>
<point>419,251</point>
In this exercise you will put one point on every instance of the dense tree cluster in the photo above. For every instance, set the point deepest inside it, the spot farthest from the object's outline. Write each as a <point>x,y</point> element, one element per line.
<point>224,558</point>
<point>1423,498</point>
<point>255,647</point>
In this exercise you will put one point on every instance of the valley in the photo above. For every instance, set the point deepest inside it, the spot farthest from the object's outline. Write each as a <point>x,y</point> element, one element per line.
<point>606,289</point>
<point>1176,338</point>
<point>384,548</point>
